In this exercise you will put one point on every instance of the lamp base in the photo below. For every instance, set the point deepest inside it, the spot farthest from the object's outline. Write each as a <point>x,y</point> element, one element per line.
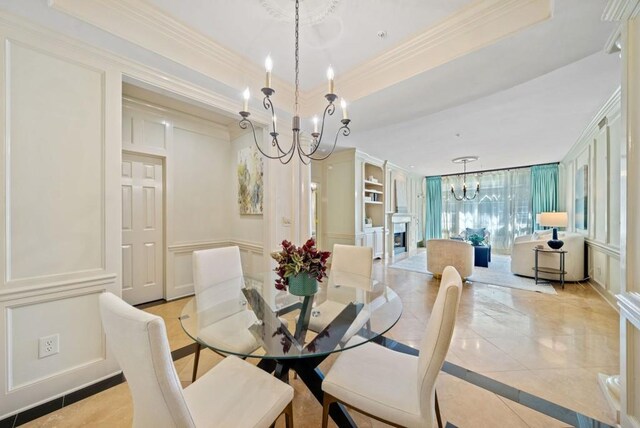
<point>555,244</point>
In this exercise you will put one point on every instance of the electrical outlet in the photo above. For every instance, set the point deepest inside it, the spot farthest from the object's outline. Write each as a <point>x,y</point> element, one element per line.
<point>48,345</point>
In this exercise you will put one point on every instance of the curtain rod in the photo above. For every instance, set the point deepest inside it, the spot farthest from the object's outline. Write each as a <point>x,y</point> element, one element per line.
<point>496,169</point>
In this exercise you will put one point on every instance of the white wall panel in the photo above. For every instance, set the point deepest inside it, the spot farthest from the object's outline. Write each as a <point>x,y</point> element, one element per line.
<point>247,228</point>
<point>600,189</point>
<point>73,319</point>
<point>154,133</point>
<point>615,142</point>
<point>201,171</point>
<point>599,148</point>
<point>55,165</point>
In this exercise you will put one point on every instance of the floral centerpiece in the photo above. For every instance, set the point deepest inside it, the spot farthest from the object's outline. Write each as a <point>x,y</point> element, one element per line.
<point>299,268</point>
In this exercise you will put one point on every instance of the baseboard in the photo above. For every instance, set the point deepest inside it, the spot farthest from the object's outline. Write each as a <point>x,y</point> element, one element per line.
<point>608,297</point>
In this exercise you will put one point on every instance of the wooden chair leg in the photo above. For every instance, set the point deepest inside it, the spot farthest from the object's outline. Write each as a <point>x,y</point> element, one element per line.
<point>327,400</point>
<point>196,359</point>
<point>438,417</point>
<point>288,415</point>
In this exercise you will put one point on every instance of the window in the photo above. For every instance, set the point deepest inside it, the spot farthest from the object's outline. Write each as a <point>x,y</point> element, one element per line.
<point>503,206</point>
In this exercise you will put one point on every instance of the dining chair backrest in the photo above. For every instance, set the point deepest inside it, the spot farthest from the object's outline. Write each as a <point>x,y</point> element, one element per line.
<point>217,276</point>
<point>139,342</point>
<point>437,338</point>
<point>352,266</point>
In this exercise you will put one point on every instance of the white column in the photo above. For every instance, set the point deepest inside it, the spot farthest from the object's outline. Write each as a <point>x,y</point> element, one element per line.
<point>627,385</point>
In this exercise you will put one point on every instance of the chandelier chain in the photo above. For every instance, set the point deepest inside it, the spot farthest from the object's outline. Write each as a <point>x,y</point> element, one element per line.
<point>277,151</point>
<point>297,56</point>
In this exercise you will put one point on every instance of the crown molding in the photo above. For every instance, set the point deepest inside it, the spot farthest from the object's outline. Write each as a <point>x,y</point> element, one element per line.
<point>24,30</point>
<point>621,10</point>
<point>480,24</point>
<point>477,25</point>
<point>140,22</point>
<point>609,109</point>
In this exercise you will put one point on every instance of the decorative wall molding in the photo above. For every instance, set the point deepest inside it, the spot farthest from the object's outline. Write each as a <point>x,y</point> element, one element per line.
<point>612,105</point>
<point>621,10</point>
<point>151,28</point>
<point>142,23</point>
<point>253,247</point>
<point>14,25</point>
<point>10,294</point>
<point>604,248</point>
<point>629,304</point>
<point>477,25</point>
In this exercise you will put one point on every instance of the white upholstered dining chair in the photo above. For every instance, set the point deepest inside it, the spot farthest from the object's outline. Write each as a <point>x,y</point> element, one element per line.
<point>351,266</point>
<point>393,387</point>
<point>217,281</point>
<point>233,393</point>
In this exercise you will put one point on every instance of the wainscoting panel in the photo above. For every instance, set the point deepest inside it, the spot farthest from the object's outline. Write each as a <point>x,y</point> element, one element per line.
<point>75,320</point>
<point>180,281</point>
<point>55,165</point>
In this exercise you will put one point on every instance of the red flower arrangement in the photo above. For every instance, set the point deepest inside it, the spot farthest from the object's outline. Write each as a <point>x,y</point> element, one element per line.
<point>294,260</point>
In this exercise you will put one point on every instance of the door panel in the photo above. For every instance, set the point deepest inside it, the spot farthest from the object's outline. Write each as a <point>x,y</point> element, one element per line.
<point>142,229</point>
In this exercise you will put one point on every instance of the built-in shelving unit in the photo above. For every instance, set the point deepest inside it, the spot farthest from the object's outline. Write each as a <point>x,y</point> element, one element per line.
<point>373,192</point>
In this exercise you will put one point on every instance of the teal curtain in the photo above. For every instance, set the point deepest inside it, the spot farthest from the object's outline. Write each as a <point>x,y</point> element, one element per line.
<point>544,190</point>
<point>434,208</point>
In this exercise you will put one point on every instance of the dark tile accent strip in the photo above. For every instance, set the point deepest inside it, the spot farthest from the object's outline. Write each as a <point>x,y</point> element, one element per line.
<point>90,390</point>
<point>159,302</point>
<point>151,304</point>
<point>41,410</point>
<point>8,422</point>
<point>538,404</point>
<point>60,402</point>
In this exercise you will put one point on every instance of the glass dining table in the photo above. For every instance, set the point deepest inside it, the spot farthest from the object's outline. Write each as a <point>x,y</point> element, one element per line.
<point>248,317</point>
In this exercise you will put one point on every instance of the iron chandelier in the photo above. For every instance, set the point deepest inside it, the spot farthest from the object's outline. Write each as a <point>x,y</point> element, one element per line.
<point>285,156</point>
<point>463,160</point>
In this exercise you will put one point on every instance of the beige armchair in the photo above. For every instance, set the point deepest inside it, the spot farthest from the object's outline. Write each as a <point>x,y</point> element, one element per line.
<point>449,252</point>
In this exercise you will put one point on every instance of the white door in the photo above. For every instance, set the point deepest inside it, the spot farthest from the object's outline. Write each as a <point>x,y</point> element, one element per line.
<point>142,229</point>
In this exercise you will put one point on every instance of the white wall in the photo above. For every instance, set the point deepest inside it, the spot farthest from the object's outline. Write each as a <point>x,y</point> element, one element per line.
<point>599,149</point>
<point>61,141</point>
<point>245,230</point>
<point>196,154</point>
<point>60,239</point>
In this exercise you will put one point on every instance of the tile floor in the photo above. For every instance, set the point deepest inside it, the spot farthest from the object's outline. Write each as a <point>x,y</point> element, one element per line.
<point>552,346</point>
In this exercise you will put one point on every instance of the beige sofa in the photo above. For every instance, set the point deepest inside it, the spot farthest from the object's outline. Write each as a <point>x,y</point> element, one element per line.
<point>449,252</point>
<point>522,255</point>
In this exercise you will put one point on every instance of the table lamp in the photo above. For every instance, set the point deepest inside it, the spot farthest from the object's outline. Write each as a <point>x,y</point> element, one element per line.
<point>555,220</point>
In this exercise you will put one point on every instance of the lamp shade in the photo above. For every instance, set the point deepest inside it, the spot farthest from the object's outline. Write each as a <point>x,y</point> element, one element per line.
<point>554,219</point>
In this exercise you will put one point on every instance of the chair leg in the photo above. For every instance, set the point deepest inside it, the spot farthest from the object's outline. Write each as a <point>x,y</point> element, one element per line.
<point>195,362</point>
<point>327,400</point>
<point>438,417</point>
<point>288,415</point>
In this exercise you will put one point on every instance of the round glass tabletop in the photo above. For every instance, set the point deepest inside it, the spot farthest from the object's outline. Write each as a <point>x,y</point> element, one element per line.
<point>249,317</point>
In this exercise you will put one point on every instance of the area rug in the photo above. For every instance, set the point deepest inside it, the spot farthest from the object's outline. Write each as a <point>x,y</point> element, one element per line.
<point>498,273</point>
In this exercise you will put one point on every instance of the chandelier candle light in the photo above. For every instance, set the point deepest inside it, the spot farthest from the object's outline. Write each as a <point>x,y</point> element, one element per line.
<point>280,153</point>
<point>463,160</point>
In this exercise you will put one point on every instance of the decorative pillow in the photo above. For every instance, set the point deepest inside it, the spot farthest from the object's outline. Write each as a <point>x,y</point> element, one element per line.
<point>478,231</point>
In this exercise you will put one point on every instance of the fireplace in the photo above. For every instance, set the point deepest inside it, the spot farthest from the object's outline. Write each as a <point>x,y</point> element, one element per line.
<point>399,238</point>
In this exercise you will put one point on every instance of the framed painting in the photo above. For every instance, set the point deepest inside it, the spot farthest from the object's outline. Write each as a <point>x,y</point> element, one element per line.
<point>250,184</point>
<point>581,205</point>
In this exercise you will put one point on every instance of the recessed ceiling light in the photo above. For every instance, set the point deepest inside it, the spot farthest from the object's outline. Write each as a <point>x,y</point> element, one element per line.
<point>412,166</point>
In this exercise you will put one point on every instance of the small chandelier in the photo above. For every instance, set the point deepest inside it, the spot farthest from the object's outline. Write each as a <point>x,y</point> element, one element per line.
<point>463,160</point>
<point>285,156</point>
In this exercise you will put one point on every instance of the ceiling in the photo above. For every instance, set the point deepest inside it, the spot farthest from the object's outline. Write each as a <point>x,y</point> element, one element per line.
<point>518,88</point>
<point>538,87</point>
<point>344,38</point>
